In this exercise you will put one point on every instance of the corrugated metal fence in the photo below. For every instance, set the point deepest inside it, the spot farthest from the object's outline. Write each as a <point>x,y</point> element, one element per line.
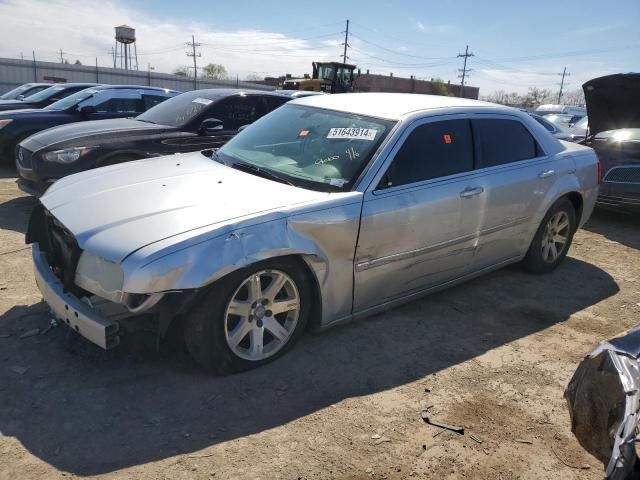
<point>14,72</point>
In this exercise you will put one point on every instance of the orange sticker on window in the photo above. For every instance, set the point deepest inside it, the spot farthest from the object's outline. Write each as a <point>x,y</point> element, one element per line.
<point>303,133</point>
<point>447,138</point>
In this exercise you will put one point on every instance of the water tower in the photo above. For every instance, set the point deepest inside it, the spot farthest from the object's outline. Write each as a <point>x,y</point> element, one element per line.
<point>125,39</point>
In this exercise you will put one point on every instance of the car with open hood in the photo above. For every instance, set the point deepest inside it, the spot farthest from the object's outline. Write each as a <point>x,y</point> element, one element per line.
<point>24,91</point>
<point>102,102</point>
<point>45,97</point>
<point>613,103</point>
<point>194,120</point>
<point>329,208</point>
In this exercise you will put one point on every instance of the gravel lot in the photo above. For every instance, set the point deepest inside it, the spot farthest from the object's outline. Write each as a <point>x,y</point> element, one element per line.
<point>493,355</point>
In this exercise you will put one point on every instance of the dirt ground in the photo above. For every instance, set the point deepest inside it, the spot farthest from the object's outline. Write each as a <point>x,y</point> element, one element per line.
<point>493,355</point>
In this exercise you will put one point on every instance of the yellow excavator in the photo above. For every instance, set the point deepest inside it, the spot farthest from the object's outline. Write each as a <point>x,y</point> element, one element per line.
<point>328,77</point>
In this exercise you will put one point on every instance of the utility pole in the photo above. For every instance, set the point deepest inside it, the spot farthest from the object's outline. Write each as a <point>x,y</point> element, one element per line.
<point>346,43</point>
<point>113,54</point>
<point>62,56</point>
<point>464,68</point>
<point>21,56</point>
<point>195,55</point>
<point>35,67</point>
<point>564,73</point>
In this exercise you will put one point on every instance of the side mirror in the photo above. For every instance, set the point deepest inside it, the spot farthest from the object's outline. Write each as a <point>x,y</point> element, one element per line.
<point>243,127</point>
<point>210,126</point>
<point>87,110</point>
<point>20,97</point>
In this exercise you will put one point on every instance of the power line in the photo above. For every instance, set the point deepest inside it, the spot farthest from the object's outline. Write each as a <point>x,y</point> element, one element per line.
<point>395,52</point>
<point>62,54</point>
<point>464,70</point>
<point>195,55</point>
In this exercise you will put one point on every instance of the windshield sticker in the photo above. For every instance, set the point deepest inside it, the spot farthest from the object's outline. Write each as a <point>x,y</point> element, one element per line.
<point>337,182</point>
<point>447,138</point>
<point>203,101</point>
<point>327,160</point>
<point>303,133</point>
<point>352,153</point>
<point>353,133</point>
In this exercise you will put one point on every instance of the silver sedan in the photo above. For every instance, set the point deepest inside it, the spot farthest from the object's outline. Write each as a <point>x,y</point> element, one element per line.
<point>330,208</point>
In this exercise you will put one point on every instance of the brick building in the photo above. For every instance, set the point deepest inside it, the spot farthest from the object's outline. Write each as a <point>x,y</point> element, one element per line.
<point>367,82</point>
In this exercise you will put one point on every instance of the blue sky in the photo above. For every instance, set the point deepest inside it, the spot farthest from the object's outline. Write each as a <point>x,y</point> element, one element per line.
<point>516,44</point>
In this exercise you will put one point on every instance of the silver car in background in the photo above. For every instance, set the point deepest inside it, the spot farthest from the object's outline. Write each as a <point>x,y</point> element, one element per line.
<point>330,208</point>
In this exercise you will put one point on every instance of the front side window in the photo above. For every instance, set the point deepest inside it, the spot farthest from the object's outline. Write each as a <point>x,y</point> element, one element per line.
<point>431,151</point>
<point>311,147</point>
<point>503,141</point>
<point>236,111</point>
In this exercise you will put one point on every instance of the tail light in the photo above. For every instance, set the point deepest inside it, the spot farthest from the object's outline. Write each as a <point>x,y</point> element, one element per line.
<point>599,170</point>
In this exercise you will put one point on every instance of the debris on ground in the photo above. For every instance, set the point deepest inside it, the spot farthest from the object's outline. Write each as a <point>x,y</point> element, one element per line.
<point>475,439</point>
<point>604,403</point>
<point>522,440</point>
<point>453,428</point>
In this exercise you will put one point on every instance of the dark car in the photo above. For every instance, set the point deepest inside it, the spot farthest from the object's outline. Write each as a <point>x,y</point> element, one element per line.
<point>196,120</point>
<point>23,91</point>
<point>553,129</point>
<point>613,105</point>
<point>102,102</point>
<point>45,97</point>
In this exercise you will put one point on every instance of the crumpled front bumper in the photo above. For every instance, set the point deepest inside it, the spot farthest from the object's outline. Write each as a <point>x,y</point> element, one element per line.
<point>71,310</point>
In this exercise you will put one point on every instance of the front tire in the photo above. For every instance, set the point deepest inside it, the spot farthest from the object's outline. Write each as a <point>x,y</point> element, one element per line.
<point>249,318</point>
<point>552,239</point>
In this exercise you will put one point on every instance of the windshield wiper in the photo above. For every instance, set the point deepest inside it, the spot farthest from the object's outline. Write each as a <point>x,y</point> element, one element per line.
<point>247,167</point>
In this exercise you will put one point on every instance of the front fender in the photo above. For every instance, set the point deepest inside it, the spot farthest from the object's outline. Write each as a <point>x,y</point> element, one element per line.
<point>325,240</point>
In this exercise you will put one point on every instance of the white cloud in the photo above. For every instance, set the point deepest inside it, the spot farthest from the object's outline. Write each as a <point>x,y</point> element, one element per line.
<point>421,27</point>
<point>85,30</point>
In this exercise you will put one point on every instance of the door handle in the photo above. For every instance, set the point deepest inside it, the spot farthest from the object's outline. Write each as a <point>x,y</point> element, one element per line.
<point>547,173</point>
<point>471,192</point>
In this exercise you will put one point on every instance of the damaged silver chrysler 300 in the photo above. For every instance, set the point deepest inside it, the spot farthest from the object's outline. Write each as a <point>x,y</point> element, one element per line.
<point>329,208</point>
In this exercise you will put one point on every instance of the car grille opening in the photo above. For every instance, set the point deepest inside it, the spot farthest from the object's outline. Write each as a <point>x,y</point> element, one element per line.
<point>58,244</point>
<point>624,174</point>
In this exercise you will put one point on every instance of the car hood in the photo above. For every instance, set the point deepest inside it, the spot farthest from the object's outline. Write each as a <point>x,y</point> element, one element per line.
<point>613,102</point>
<point>116,210</point>
<point>14,105</point>
<point>92,130</point>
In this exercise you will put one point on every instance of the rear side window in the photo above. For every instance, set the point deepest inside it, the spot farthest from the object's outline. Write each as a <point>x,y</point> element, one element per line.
<point>433,150</point>
<point>503,141</point>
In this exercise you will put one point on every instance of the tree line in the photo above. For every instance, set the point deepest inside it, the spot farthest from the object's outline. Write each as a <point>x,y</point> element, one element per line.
<point>535,96</point>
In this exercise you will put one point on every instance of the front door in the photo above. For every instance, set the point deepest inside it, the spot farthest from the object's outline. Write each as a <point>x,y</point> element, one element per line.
<point>420,225</point>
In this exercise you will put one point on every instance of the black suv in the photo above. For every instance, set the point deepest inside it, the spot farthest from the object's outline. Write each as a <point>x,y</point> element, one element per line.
<point>24,91</point>
<point>196,120</point>
<point>45,97</point>
<point>102,102</point>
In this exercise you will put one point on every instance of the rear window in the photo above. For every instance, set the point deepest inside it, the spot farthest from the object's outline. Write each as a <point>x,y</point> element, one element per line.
<point>504,141</point>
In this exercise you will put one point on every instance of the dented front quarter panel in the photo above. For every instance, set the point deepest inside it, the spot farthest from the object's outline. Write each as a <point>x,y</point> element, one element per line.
<point>324,235</point>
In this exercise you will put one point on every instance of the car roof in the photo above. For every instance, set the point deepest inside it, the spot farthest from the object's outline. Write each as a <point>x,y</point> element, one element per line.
<point>214,93</point>
<point>63,84</point>
<point>392,106</point>
<point>145,87</point>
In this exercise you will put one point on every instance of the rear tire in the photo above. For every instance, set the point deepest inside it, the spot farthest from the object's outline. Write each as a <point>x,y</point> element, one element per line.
<point>250,317</point>
<point>552,239</point>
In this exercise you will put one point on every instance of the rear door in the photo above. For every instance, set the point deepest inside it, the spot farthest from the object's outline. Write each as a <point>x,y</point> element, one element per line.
<point>515,174</point>
<point>114,103</point>
<point>419,225</point>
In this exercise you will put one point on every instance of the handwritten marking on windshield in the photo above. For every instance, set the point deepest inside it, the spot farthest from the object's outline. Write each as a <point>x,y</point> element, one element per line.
<point>327,160</point>
<point>352,153</point>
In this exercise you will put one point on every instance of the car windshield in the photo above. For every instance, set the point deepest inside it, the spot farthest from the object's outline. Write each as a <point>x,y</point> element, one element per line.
<point>582,123</point>
<point>73,99</point>
<point>314,148</point>
<point>45,94</point>
<point>561,121</point>
<point>12,94</point>
<point>179,110</point>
